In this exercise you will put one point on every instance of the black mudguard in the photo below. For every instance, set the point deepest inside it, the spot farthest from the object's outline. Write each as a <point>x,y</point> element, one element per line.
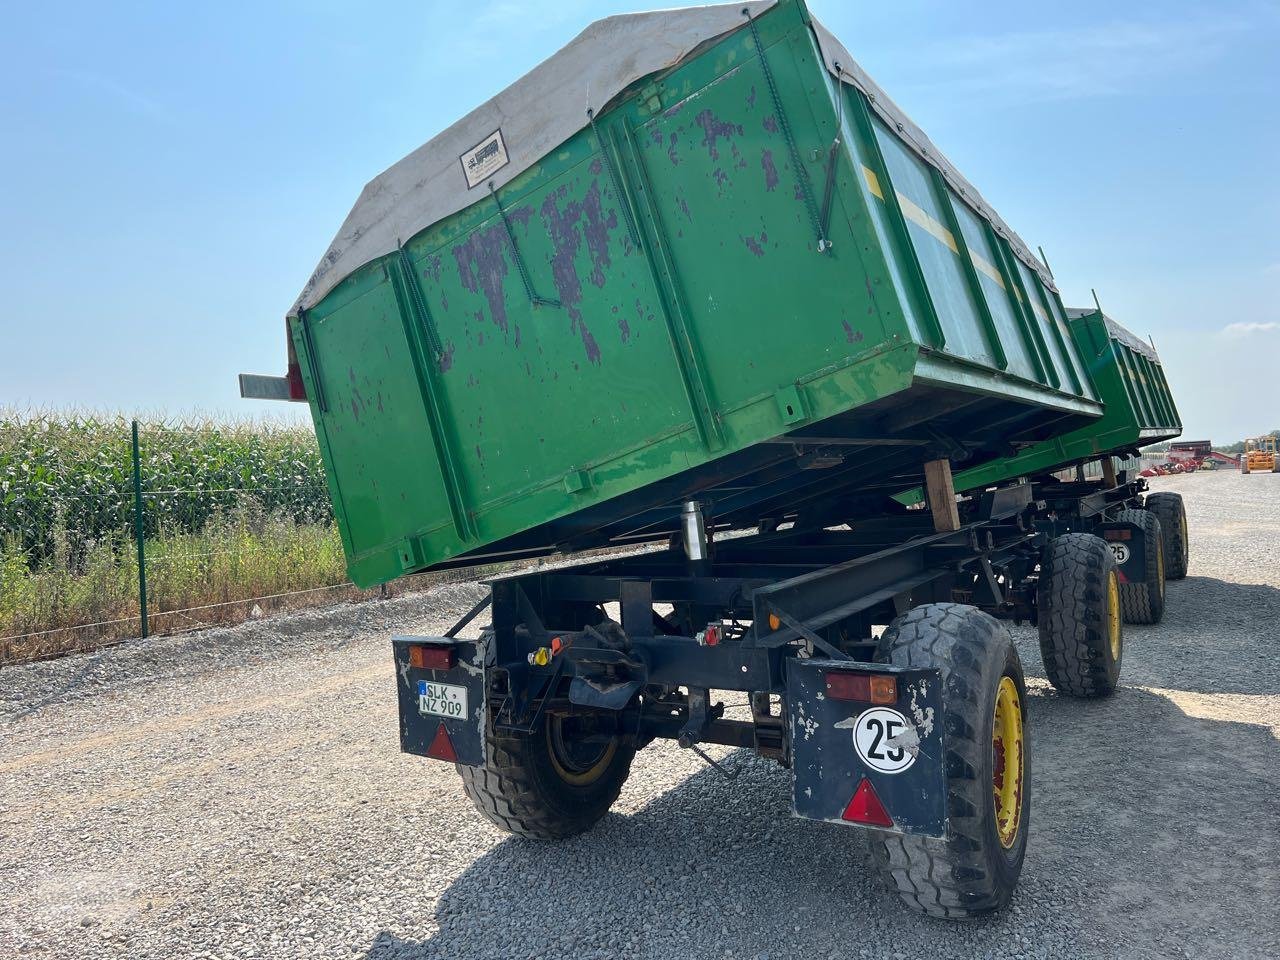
<point>426,728</point>
<point>828,766</point>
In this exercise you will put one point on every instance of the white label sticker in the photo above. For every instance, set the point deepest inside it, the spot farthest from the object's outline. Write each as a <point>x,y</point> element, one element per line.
<point>484,159</point>
<point>884,739</point>
<point>1119,551</point>
<point>442,699</point>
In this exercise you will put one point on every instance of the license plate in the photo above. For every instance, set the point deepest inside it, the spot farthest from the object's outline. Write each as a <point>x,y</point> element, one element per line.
<point>446,700</point>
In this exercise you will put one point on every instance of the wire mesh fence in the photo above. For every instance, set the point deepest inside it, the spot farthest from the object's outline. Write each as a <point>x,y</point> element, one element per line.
<point>207,523</point>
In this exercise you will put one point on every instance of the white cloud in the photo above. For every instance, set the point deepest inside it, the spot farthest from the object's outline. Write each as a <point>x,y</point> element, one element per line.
<point>1237,330</point>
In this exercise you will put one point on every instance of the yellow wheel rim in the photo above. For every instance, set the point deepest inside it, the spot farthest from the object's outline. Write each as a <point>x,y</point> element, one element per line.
<point>574,770</point>
<point>1007,745</point>
<point>1113,614</point>
<point>1186,537</point>
<point>1160,565</point>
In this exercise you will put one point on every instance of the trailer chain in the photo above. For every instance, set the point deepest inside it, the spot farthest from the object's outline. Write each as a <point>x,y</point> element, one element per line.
<point>802,172</point>
<point>536,300</point>
<point>717,767</point>
<point>418,303</point>
<point>833,155</point>
<point>614,180</point>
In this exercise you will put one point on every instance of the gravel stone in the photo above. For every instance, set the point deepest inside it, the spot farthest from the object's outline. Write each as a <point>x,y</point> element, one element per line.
<point>240,793</point>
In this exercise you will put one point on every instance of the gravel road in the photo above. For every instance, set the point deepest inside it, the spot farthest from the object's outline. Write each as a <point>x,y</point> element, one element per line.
<point>239,793</point>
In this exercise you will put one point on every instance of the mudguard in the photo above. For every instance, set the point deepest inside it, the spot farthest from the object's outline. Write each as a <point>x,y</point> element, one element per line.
<point>837,744</point>
<point>442,712</point>
<point>1125,541</point>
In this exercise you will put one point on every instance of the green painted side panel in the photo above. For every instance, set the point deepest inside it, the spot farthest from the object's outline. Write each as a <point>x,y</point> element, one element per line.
<point>935,247</point>
<point>1074,351</point>
<point>1130,419</point>
<point>1017,343</point>
<point>645,305</point>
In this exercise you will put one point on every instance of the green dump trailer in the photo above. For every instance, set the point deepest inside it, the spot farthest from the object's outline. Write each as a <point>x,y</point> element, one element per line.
<point>733,258</point>
<point>697,273</point>
<point>1138,406</point>
<point>1138,410</point>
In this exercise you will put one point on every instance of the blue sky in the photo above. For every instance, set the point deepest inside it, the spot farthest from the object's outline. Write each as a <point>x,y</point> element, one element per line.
<point>172,172</point>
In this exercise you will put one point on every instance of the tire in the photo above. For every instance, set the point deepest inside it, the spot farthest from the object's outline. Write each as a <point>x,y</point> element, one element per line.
<point>1078,613</point>
<point>975,867</point>
<point>1143,601</point>
<point>1173,530</point>
<point>542,784</point>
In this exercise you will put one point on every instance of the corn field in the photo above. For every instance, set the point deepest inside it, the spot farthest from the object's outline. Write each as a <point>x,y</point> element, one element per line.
<point>232,512</point>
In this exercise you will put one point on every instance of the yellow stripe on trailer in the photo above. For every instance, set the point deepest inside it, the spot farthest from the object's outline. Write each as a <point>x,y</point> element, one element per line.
<point>923,219</point>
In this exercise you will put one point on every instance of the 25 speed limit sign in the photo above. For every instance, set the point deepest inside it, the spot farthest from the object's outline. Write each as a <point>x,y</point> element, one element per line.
<point>876,738</point>
<point>1119,551</point>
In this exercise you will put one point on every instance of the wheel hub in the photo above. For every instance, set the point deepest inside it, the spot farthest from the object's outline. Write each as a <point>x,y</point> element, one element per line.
<point>1007,746</point>
<point>1113,614</point>
<point>576,760</point>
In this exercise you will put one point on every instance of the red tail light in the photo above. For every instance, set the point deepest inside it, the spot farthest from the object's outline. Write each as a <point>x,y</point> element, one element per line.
<point>297,390</point>
<point>867,687</point>
<point>431,657</point>
<point>865,807</point>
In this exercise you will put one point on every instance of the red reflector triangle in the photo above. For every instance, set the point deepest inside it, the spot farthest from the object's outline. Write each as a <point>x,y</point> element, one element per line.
<point>442,747</point>
<point>865,807</point>
<point>1121,577</point>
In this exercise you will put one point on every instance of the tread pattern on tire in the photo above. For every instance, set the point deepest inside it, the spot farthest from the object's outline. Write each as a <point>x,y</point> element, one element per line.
<point>517,790</point>
<point>1143,601</point>
<point>954,879</point>
<point>1072,615</point>
<point>1171,511</point>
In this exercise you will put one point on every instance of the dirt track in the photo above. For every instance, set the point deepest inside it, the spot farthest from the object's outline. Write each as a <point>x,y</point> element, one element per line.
<point>240,793</point>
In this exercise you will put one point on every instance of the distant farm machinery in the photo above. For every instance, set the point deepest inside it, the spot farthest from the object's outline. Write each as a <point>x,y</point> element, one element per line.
<point>1260,455</point>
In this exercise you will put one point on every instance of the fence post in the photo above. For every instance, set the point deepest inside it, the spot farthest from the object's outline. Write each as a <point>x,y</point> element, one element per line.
<point>138,532</point>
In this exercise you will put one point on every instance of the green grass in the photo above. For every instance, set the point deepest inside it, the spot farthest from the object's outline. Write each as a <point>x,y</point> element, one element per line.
<point>233,512</point>
<point>73,471</point>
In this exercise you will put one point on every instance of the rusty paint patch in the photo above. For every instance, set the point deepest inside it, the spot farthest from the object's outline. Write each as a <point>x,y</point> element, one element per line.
<point>751,99</point>
<point>595,167</point>
<point>757,246</point>
<point>770,171</point>
<point>446,358</point>
<point>482,264</point>
<point>714,129</point>
<point>596,230</point>
<point>770,123</point>
<point>641,316</point>
<point>674,109</point>
<point>850,334</point>
<point>721,177</point>
<point>671,150</point>
<point>562,224</point>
